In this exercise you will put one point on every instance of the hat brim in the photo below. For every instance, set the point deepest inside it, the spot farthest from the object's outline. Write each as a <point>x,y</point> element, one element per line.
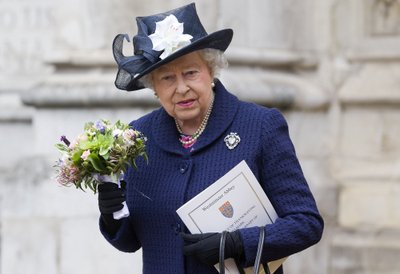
<point>217,40</point>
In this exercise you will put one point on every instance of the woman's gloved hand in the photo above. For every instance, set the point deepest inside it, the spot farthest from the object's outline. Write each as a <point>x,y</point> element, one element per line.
<point>110,199</point>
<point>205,247</point>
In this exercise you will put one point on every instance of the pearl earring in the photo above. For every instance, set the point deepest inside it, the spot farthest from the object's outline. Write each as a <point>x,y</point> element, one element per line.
<point>212,84</point>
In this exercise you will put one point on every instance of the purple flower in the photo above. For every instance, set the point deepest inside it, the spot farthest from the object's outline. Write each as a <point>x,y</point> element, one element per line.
<point>100,126</point>
<point>64,140</point>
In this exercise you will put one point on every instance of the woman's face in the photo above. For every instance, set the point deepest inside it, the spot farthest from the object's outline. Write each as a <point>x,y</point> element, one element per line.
<point>184,88</point>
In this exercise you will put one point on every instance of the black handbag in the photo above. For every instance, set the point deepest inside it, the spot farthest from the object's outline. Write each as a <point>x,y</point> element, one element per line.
<point>257,262</point>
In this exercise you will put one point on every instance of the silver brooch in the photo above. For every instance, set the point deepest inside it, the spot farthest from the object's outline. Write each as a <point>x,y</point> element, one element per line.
<point>232,140</point>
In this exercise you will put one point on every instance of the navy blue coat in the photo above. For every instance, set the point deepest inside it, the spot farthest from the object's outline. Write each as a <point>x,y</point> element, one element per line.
<point>174,175</point>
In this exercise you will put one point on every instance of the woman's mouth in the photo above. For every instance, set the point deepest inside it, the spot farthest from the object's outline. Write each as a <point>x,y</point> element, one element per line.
<point>186,103</point>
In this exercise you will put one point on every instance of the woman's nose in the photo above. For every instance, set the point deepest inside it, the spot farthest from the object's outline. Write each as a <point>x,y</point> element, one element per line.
<point>182,87</point>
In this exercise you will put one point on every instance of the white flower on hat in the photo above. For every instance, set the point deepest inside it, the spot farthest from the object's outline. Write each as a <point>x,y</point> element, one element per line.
<point>169,36</point>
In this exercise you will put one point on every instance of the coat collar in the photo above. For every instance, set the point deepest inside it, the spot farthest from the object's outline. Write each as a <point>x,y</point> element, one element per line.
<point>166,135</point>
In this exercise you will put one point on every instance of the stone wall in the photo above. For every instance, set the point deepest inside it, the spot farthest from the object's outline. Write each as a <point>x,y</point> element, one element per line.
<point>331,66</point>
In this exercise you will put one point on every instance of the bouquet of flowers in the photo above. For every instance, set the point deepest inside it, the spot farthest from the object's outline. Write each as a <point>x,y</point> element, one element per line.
<point>101,153</point>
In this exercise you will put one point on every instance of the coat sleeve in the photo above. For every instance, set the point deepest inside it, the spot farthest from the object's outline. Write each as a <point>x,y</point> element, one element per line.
<point>299,224</point>
<point>124,239</point>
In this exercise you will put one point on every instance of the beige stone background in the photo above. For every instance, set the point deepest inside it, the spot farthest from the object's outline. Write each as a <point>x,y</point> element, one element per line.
<point>332,67</point>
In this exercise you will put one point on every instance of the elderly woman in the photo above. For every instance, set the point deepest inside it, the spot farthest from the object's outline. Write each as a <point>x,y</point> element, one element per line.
<point>188,151</point>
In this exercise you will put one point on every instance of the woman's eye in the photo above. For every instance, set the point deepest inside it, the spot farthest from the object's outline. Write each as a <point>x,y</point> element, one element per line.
<point>191,73</point>
<point>167,78</point>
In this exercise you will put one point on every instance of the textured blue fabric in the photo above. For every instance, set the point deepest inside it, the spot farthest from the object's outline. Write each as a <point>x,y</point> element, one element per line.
<point>174,175</point>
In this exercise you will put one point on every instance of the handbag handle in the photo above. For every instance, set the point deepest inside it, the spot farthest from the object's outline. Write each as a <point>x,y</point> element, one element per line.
<point>222,252</point>
<point>257,262</point>
<point>259,251</point>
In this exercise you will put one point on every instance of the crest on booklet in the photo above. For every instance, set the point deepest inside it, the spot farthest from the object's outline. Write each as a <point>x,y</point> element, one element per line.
<point>226,209</point>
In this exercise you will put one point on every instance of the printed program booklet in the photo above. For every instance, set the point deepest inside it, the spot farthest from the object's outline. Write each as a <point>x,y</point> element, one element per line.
<point>234,201</point>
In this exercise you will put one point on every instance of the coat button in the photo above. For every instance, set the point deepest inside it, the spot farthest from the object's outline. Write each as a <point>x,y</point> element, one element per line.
<point>183,167</point>
<point>178,229</point>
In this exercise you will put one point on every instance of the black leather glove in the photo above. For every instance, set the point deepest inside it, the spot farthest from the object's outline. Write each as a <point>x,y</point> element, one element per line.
<point>205,247</point>
<point>110,199</point>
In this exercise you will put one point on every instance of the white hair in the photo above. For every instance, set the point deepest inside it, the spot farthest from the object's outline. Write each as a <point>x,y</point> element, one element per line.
<point>214,58</point>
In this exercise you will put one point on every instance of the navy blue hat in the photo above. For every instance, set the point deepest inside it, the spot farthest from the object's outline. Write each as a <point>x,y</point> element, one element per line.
<point>162,38</point>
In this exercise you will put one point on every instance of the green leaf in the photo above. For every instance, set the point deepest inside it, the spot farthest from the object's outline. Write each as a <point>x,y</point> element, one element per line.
<point>92,185</point>
<point>76,157</point>
<point>106,156</point>
<point>79,185</point>
<point>85,145</point>
<point>62,147</point>
<point>96,162</point>
<point>104,150</point>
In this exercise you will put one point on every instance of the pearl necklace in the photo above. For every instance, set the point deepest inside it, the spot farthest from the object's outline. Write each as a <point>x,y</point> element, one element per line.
<point>188,141</point>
